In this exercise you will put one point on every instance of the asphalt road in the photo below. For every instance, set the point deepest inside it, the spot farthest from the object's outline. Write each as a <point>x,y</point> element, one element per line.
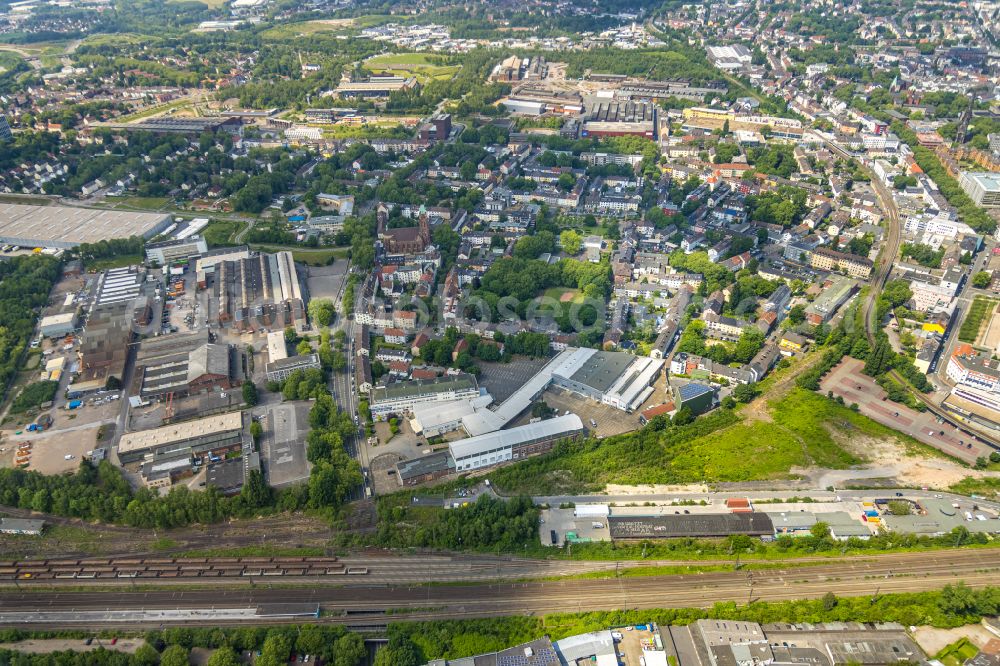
<point>856,576</point>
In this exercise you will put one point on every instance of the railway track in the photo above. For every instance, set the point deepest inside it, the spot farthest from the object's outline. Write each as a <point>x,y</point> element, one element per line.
<point>27,571</point>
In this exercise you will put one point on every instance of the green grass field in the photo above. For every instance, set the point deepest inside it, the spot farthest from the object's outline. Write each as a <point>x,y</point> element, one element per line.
<point>425,67</point>
<point>558,293</point>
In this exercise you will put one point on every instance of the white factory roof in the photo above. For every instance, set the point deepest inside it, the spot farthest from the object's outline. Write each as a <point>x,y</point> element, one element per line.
<point>276,347</point>
<point>550,428</point>
<point>179,432</point>
<point>433,415</point>
<point>63,226</point>
<point>56,319</point>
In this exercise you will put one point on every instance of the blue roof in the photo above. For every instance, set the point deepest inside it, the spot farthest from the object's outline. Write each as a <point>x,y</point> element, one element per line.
<point>693,390</point>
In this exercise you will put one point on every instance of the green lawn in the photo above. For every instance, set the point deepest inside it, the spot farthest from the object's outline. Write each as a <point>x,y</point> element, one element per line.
<point>986,487</point>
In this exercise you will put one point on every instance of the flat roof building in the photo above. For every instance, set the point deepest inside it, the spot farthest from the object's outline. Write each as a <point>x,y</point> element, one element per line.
<point>402,397</point>
<point>21,526</point>
<point>66,227</point>
<point>57,325</point>
<point>172,251</point>
<point>983,187</point>
<point>514,444</point>
<point>199,436</point>
<point>278,371</point>
<point>692,526</point>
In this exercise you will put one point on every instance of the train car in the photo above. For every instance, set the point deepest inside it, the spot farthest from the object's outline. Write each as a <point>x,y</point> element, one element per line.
<point>357,570</point>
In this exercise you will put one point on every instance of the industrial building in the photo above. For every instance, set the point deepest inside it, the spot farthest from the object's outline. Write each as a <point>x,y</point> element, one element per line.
<point>185,364</point>
<point>403,397</point>
<point>258,291</point>
<point>189,126</point>
<point>165,253</point>
<point>278,371</point>
<point>690,526</point>
<point>620,119</point>
<point>57,325</point>
<point>618,379</point>
<point>122,304</point>
<point>21,526</point>
<point>836,292</point>
<point>375,86</point>
<point>65,227</point>
<point>656,91</point>
<point>426,468</point>
<point>514,444</point>
<point>215,435</point>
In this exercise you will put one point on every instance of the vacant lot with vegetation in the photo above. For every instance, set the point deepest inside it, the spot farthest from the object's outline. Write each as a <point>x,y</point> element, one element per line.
<point>718,447</point>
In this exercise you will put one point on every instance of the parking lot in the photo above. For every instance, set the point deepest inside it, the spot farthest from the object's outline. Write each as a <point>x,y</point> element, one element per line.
<point>610,421</point>
<point>563,522</point>
<point>325,281</point>
<point>502,379</point>
<point>283,445</point>
<point>847,381</point>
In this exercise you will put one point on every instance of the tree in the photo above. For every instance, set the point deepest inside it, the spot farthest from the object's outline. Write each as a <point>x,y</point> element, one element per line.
<point>683,416</point>
<point>290,334</point>
<point>880,359</point>
<point>571,241</point>
<point>145,655</point>
<point>829,601</point>
<point>897,292</point>
<point>982,279</point>
<point>321,311</point>
<point>995,457</point>
<point>797,314</point>
<point>175,655</point>
<point>255,492</point>
<point>225,656</point>
<point>250,395</point>
<point>304,348</point>
<point>746,392</point>
<point>256,431</point>
<point>820,530</point>
<point>350,650</point>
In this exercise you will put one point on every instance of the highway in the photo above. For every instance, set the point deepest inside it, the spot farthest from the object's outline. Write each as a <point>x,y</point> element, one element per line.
<point>857,576</point>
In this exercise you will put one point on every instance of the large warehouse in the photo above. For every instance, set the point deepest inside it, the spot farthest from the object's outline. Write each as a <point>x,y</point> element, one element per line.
<point>514,444</point>
<point>65,227</point>
<point>222,432</point>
